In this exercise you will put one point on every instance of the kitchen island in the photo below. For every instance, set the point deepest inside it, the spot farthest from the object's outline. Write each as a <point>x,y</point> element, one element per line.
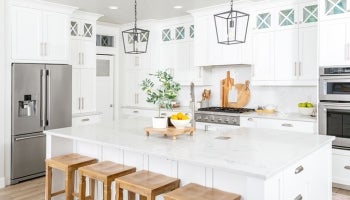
<point>259,164</point>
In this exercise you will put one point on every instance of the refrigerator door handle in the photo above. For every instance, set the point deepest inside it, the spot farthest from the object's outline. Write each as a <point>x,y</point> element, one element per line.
<point>29,137</point>
<point>43,98</point>
<point>48,95</point>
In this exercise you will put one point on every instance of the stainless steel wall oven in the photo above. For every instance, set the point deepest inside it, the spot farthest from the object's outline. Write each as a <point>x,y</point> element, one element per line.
<point>334,106</point>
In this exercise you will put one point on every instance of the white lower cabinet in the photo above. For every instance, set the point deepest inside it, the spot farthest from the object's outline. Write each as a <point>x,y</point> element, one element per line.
<point>86,120</point>
<point>287,125</point>
<point>341,167</point>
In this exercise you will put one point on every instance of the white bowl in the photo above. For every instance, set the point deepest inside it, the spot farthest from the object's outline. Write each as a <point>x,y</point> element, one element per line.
<point>180,124</point>
<point>306,111</point>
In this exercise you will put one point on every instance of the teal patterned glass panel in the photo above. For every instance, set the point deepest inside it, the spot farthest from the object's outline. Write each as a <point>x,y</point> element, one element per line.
<point>166,35</point>
<point>180,33</point>
<point>334,7</point>
<point>263,21</point>
<point>286,17</point>
<point>144,36</point>
<point>192,31</point>
<point>310,14</point>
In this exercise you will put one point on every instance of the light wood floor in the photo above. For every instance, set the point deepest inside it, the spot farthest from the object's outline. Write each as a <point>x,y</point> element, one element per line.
<point>35,190</point>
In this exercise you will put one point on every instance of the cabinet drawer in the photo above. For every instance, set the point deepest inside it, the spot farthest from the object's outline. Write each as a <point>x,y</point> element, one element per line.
<point>86,120</point>
<point>341,169</point>
<point>298,126</point>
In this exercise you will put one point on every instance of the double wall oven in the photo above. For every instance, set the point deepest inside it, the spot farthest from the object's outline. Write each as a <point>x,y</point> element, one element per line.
<point>334,106</point>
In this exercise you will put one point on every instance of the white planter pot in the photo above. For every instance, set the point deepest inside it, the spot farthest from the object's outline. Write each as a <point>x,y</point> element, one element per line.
<point>160,122</point>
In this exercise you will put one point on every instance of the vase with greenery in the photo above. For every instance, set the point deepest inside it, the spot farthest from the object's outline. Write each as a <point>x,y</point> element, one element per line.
<point>161,89</point>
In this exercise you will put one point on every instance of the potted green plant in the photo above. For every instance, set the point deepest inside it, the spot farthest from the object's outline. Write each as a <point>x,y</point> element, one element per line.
<point>162,92</point>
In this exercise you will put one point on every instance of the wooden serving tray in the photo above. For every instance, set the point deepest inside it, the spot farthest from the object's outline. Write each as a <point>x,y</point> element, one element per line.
<point>171,131</point>
<point>265,111</point>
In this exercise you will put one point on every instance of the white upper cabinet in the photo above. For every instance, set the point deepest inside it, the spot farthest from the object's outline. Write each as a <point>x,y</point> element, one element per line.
<point>82,29</point>
<point>40,32</point>
<point>288,36</point>
<point>335,42</point>
<point>200,41</point>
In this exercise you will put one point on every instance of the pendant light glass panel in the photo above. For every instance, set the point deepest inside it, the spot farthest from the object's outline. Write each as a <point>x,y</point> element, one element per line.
<point>231,27</point>
<point>135,41</point>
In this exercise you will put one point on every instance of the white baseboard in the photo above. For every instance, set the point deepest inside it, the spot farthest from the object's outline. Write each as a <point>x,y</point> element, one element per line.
<point>2,182</point>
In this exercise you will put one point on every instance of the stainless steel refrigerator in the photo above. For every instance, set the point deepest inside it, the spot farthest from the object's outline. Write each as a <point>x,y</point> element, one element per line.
<point>41,100</point>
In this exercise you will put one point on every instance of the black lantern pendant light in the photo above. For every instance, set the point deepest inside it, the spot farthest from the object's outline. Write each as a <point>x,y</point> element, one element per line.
<point>231,26</point>
<point>135,40</point>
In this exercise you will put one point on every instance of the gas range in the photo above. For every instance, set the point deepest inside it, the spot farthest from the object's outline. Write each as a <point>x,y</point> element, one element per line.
<point>220,115</point>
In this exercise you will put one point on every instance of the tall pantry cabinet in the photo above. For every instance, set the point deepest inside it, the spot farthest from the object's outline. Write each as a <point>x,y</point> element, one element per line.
<point>83,60</point>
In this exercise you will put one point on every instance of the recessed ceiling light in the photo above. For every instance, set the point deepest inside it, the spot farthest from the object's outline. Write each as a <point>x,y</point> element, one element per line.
<point>113,7</point>
<point>178,7</point>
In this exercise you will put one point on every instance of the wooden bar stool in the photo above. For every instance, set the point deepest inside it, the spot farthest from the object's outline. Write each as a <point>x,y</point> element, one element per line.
<point>194,191</point>
<point>145,183</point>
<point>105,172</point>
<point>68,164</point>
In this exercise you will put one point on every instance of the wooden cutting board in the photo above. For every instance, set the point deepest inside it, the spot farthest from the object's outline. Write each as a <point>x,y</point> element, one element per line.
<point>243,92</point>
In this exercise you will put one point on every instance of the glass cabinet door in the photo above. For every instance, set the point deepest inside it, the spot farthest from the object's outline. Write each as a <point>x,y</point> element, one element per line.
<point>334,7</point>
<point>287,17</point>
<point>88,30</point>
<point>74,28</point>
<point>263,21</point>
<point>310,14</point>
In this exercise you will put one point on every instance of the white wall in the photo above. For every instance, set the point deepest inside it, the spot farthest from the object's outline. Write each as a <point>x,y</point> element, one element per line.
<point>285,98</point>
<point>2,93</point>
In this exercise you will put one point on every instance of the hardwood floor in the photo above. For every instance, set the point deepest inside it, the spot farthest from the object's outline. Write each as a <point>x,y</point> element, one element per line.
<point>34,190</point>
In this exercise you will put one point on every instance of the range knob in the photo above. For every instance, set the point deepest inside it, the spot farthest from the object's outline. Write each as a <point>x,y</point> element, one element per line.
<point>219,120</point>
<point>227,120</point>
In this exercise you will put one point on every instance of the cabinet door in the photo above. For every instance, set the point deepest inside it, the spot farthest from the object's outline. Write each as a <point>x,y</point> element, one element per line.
<point>333,9</point>
<point>215,50</point>
<point>307,67</point>
<point>182,73</point>
<point>263,64</point>
<point>333,47</point>
<point>75,53</point>
<point>249,122</point>
<point>76,97</point>
<point>286,54</point>
<point>88,89</point>
<point>88,49</point>
<point>56,36</point>
<point>26,30</point>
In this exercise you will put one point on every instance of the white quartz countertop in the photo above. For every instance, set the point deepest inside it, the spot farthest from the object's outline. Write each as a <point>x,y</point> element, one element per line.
<point>281,116</point>
<point>261,153</point>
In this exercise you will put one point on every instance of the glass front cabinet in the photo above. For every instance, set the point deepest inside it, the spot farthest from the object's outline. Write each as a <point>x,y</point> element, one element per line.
<point>81,29</point>
<point>334,8</point>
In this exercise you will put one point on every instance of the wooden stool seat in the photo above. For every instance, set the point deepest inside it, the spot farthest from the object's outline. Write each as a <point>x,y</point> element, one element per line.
<point>68,164</point>
<point>194,191</point>
<point>147,184</point>
<point>105,172</point>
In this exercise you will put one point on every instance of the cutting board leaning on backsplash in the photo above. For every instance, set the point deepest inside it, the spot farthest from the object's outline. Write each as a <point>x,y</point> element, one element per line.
<point>243,92</point>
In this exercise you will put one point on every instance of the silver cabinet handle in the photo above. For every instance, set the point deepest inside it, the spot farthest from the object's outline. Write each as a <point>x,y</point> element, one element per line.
<point>48,100</point>
<point>135,111</point>
<point>250,119</point>
<point>45,49</point>
<point>79,99</point>
<point>41,49</point>
<point>83,58</point>
<point>287,125</point>
<point>347,167</point>
<point>43,98</point>
<point>299,169</point>
<point>299,68</point>
<point>299,197</point>
<point>79,58</point>
<point>253,70</point>
<point>82,103</point>
<point>295,68</point>
<point>85,120</point>
<point>29,137</point>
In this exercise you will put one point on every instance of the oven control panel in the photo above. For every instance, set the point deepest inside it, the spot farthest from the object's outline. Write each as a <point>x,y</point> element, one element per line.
<point>217,119</point>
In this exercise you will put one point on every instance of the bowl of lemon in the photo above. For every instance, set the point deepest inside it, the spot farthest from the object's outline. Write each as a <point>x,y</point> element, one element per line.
<point>180,120</point>
<point>306,108</point>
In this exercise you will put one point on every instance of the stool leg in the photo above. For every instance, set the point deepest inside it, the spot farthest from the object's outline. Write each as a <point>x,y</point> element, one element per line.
<point>48,180</point>
<point>131,195</point>
<point>69,184</point>
<point>107,190</point>
<point>143,197</point>
<point>151,197</point>
<point>92,188</point>
<point>118,191</point>
<point>82,187</point>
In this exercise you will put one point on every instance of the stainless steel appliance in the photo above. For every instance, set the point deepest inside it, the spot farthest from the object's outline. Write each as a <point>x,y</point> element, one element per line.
<point>219,117</point>
<point>41,100</point>
<point>334,84</point>
<point>334,106</point>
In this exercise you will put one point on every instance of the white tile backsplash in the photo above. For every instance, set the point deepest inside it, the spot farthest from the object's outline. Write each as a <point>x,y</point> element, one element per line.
<point>284,98</point>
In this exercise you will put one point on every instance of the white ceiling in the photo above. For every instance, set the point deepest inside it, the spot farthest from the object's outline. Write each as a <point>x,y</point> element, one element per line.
<point>147,9</point>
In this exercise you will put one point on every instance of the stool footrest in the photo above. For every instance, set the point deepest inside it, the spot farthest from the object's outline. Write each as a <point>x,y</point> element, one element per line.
<point>58,193</point>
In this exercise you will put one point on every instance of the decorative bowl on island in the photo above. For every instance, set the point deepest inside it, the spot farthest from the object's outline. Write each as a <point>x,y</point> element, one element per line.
<point>180,124</point>
<point>306,111</point>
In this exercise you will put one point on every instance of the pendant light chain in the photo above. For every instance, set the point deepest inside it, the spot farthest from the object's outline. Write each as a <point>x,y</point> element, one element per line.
<point>135,14</point>
<point>231,5</point>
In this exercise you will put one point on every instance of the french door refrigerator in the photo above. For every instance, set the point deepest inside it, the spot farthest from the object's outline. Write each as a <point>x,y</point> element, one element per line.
<point>41,100</point>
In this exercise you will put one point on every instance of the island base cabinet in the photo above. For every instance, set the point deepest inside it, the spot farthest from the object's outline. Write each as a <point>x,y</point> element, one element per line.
<point>341,167</point>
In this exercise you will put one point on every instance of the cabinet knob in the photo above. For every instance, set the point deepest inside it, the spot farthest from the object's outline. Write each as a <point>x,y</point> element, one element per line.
<point>287,125</point>
<point>299,169</point>
<point>250,119</point>
<point>85,120</point>
<point>347,167</point>
<point>111,105</point>
<point>299,197</point>
<point>135,111</point>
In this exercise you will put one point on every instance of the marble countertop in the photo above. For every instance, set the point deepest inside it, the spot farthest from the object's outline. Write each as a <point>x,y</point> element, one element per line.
<point>86,114</point>
<point>261,153</point>
<point>282,116</point>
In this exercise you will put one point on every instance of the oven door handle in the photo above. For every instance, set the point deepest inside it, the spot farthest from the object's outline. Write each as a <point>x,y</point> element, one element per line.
<point>336,79</point>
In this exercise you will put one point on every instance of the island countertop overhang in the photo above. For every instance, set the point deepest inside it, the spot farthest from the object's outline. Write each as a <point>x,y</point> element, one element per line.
<point>259,153</point>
